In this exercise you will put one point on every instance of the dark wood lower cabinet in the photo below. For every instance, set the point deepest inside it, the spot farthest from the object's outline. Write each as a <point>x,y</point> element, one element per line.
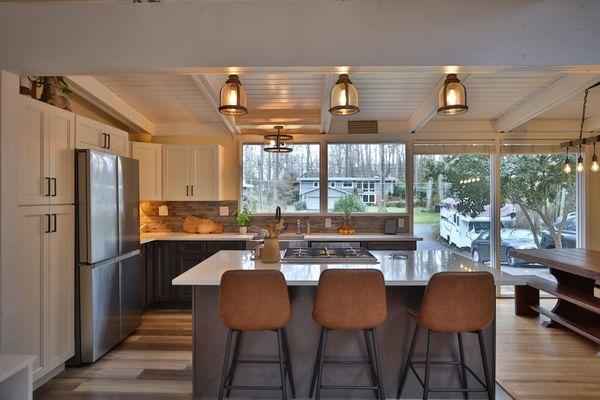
<point>165,260</point>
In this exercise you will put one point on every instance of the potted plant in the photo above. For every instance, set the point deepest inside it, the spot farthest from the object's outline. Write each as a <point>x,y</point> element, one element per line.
<point>241,219</point>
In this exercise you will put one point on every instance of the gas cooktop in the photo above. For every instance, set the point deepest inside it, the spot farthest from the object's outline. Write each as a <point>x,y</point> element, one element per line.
<point>308,255</point>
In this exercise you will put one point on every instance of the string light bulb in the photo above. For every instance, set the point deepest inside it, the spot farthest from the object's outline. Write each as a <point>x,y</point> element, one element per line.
<point>580,165</point>
<point>595,165</point>
<point>567,167</point>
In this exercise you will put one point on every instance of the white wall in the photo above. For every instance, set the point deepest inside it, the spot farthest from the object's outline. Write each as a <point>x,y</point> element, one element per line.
<point>93,37</point>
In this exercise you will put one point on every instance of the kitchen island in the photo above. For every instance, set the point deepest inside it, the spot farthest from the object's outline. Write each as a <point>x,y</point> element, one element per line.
<point>406,275</point>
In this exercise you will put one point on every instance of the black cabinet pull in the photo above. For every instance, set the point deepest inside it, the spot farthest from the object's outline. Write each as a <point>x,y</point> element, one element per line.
<point>108,136</point>
<point>54,218</point>
<point>48,223</point>
<point>54,186</point>
<point>192,190</point>
<point>187,190</point>
<point>103,140</point>
<point>47,187</point>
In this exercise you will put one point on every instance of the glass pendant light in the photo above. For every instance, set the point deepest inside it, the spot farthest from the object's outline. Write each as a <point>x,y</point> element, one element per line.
<point>567,167</point>
<point>233,99</point>
<point>278,143</point>
<point>452,97</point>
<point>343,99</point>
<point>595,165</point>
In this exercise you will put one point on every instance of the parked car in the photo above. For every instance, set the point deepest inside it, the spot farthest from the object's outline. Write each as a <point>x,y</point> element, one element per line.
<point>568,236</point>
<point>510,238</point>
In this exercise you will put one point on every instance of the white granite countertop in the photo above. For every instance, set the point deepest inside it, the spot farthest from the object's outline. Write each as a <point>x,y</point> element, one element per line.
<point>151,237</point>
<point>329,237</point>
<point>415,268</point>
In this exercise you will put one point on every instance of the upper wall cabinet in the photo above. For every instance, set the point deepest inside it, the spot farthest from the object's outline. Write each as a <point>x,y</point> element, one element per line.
<point>46,150</point>
<point>94,135</point>
<point>192,172</point>
<point>150,158</point>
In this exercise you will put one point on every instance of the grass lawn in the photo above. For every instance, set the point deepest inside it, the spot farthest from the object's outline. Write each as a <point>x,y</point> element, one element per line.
<point>422,217</point>
<point>388,209</point>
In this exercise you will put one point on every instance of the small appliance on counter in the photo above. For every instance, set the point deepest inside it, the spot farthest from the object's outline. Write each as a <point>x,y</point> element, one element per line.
<point>108,306</point>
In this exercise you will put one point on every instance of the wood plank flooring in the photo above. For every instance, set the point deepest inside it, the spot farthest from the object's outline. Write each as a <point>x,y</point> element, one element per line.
<point>155,363</point>
<point>534,362</point>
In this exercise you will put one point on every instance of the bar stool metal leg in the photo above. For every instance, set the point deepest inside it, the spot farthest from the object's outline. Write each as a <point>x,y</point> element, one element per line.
<point>313,381</point>
<point>381,394</point>
<point>288,362</point>
<point>321,360</point>
<point>407,363</point>
<point>281,364</point>
<point>370,358</point>
<point>488,384</point>
<point>427,367</point>
<point>463,368</point>
<point>225,364</point>
<point>234,359</point>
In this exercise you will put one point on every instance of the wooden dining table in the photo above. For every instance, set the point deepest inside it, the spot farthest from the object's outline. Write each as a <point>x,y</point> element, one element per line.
<point>576,272</point>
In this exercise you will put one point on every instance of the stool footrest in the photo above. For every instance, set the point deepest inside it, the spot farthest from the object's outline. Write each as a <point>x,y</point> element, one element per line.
<point>257,362</point>
<point>347,362</point>
<point>253,387</point>
<point>453,363</point>
<point>341,387</point>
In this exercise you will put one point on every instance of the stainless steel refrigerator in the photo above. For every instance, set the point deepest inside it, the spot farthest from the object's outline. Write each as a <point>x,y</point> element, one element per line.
<point>108,252</point>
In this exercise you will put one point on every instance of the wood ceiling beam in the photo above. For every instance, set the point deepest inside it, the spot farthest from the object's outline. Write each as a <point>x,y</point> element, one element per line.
<point>92,90</point>
<point>426,110</point>
<point>210,85</point>
<point>559,91</point>
<point>326,117</point>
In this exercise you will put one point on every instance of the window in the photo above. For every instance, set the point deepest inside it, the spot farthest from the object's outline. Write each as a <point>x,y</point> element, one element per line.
<point>544,199</point>
<point>384,166</point>
<point>451,197</point>
<point>285,180</point>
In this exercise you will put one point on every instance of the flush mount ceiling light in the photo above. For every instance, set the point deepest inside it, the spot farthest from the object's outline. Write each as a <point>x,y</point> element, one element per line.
<point>343,99</point>
<point>278,143</point>
<point>453,97</point>
<point>233,99</point>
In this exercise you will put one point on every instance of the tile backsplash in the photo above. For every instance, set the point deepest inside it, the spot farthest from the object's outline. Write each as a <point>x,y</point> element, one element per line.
<point>178,210</point>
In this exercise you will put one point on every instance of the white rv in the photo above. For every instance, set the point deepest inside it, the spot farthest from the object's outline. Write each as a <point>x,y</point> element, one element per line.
<point>460,230</point>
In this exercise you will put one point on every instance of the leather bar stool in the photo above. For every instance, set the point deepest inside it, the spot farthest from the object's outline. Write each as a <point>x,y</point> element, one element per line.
<point>454,302</point>
<point>255,301</point>
<point>350,299</point>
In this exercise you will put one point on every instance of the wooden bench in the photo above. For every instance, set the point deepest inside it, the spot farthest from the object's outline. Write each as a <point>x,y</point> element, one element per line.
<point>527,303</point>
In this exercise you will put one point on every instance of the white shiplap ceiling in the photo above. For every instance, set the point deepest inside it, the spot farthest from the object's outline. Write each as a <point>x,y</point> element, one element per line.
<point>299,100</point>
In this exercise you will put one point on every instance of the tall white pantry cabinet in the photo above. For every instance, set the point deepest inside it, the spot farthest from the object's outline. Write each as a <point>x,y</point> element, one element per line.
<point>46,147</point>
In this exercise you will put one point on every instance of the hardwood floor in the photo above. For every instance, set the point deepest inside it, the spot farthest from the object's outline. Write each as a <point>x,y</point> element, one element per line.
<point>534,362</point>
<point>155,364</point>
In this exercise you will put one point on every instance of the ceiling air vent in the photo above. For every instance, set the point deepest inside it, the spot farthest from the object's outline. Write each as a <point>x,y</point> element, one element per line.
<point>362,127</point>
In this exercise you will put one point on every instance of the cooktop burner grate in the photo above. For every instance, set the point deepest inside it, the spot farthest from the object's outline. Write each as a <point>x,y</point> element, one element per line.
<point>327,255</point>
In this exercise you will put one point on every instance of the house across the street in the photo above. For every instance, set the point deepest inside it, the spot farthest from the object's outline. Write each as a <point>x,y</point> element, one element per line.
<point>368,189</point>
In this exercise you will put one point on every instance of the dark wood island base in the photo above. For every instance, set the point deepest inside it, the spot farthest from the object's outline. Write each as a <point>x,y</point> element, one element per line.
<point>394,336</point>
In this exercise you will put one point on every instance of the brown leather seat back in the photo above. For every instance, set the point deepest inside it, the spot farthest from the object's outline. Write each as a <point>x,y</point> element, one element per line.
<point>458,302</point>
<point>350,299</point>
<point>254,300</point>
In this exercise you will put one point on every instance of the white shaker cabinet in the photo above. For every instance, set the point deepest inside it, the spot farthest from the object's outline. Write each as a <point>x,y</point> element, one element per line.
<point>150,157</point>
<point>46,151</point>
<point>42,314</point>
<point>192,172</point>
<point>95,135</point>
